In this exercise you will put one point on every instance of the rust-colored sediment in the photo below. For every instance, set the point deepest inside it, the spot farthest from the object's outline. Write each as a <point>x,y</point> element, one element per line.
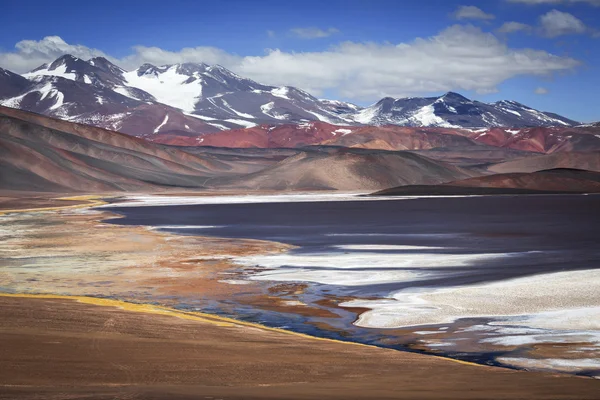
<point>72,251</point>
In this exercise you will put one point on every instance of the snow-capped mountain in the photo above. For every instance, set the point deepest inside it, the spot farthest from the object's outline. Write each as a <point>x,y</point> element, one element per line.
<point>226,100</point>
<point>74,90</point>
<point>98,72</point>
<point>590,125</point>
<point>453,110</point>
<point>191,99</point>
<point>203,98</point>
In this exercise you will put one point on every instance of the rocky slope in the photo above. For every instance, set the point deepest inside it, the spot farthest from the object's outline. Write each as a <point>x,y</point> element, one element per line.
<point>44,154</point>
<point>537,140</point>
<point>349,170</point>
<point>541,140</point>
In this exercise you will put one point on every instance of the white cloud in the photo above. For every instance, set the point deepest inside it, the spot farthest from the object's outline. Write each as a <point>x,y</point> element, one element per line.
<point>590,2</point>
<point>30,54</point>
<point>512,27</point>
<point>458,58</point>
<point>313,33</point>
<point>158,56</point>
<point>541,90</point>
<point>472,12</point>
<point>557,23</point>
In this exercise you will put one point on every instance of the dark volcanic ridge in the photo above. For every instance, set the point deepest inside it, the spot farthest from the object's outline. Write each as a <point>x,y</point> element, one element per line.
<point>551,181</point>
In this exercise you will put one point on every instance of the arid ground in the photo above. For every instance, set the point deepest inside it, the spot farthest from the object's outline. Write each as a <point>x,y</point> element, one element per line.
<point>60,348</point>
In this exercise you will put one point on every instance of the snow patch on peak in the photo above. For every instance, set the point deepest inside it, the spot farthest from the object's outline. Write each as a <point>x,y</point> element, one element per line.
<point>425,116</point>
<point>367,115</point>
<point>238,113</point>
<point>167,87</point>
<point>281,92</point>
<point>162,123</point>
<point>344,132</point>
<point>241,122</point>
<point>267,109</point>
<point>61,71</point>
<point>512,112</point>
<point>306,125</point>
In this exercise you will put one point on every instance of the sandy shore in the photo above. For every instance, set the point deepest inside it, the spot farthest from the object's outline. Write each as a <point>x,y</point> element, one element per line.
<point>60,348</point>
<point>11,202</point>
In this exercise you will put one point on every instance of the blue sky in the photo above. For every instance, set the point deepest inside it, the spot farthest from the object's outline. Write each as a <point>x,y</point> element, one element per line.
<point>352,50</point>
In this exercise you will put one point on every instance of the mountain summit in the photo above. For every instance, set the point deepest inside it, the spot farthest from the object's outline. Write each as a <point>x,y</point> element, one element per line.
<point>196,98</point>
<point>453,110</point>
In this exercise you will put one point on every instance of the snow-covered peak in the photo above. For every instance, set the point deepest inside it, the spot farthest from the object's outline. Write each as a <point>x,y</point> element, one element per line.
<point>281,92</point>
<point>190,69</point>
<point>454,110</point>
<point>590,125</point>
<point>147,69</point>
<point>66,59</point>
<point>224,71</point>
<point>105,65</point>
<point>61,67</point>
<point>167,84</point>
<point>98,71</point>
<point>338,103</point>
<point>370,114</point>
<point>453,96</point>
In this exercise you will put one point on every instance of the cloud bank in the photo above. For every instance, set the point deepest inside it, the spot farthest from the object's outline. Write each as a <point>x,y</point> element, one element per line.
<point>458,58</point>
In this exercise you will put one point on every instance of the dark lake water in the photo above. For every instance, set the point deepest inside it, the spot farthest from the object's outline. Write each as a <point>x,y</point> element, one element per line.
<point>548,233</point>
<point>530,235</point>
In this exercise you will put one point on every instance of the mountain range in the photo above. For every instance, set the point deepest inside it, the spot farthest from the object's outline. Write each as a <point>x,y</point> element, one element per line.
<point>193,99</point>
